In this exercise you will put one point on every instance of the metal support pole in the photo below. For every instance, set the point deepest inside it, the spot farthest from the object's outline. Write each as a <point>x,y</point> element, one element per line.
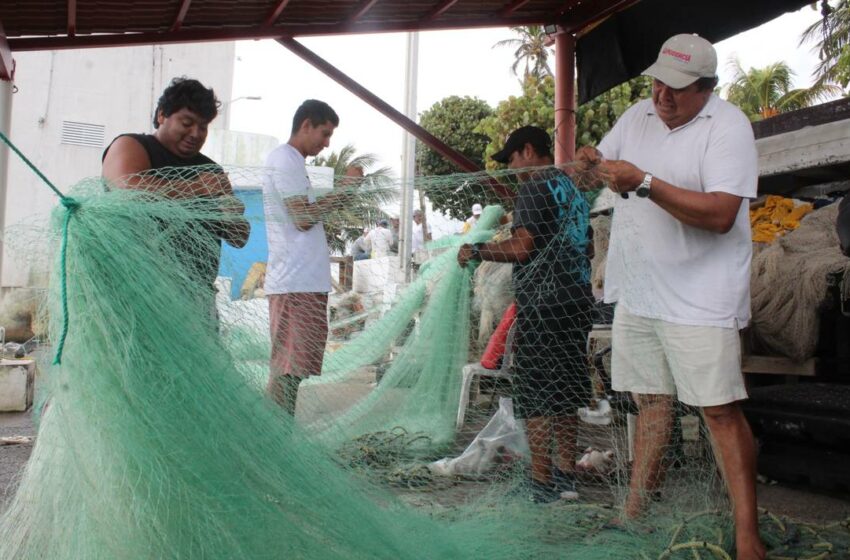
<point>6,88</point>
<point>565,114</point>
<point>408,158</point>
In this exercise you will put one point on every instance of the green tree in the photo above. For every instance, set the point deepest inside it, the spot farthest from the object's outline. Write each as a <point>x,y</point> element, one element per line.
<point>832,41</point>
<point>347,157</point>
<point>764,92</point>
<point>596,117</point>
<point>536,106</point>
<point>532,51</point>
<point>454,120</point>
<point>343,229</point>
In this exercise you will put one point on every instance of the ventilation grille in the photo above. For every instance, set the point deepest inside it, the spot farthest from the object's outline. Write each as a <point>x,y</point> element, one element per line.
<point>82,134</point>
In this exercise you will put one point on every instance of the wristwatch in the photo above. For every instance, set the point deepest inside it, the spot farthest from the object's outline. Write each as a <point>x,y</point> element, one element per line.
<point>642,190</point>
<point>476,252</point>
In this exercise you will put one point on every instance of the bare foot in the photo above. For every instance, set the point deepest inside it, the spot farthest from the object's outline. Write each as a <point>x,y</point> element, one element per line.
<point>750,549</point>
<point>633,508</point>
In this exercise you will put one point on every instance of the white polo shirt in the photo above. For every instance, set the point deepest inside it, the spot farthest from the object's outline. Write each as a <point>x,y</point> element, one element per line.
<point>659,267</point>
<point>299,261</point>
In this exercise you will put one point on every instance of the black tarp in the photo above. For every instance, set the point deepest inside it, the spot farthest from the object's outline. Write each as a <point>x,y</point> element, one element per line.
<point>625,44</point>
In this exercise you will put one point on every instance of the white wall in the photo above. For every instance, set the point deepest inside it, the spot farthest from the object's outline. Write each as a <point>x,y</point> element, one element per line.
<point>116,87</point>
<point>229,147</point>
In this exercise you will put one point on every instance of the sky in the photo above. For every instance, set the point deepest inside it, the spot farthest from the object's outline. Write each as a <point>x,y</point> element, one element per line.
<point>450,63</point>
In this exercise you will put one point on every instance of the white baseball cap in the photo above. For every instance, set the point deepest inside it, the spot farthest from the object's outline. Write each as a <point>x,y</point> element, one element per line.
<point>476,209</point>
<point>682,60</point>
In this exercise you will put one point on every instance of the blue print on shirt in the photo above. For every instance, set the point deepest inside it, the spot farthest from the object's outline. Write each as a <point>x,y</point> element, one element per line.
<point>573,214</point>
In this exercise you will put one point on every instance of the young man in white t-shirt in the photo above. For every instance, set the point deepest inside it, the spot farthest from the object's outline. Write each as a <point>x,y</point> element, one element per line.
<point>298,276</point>
<point>679,268</point>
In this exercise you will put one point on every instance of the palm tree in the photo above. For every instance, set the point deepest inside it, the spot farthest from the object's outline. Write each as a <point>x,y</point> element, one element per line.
<point>532,50</point>
<point>347,158</point>
<point>344,227</point>
<point>832,41</point>
<point>764,92</point>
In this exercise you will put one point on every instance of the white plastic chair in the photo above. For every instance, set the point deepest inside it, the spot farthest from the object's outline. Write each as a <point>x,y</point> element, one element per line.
<point>475,369</point>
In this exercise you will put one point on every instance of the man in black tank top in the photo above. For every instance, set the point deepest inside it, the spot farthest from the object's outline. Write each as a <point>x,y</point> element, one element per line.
<point>167,163</point>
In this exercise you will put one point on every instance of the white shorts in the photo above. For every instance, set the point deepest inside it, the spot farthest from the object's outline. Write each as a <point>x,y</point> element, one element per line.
<point>702,365</point>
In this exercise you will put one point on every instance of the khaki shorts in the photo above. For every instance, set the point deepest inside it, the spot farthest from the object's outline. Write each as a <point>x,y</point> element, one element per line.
<point>702,365</point>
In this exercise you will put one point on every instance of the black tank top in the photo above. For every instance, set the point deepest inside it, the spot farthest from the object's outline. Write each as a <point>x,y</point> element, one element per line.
<point>159,155</point>
<point>204,261</point>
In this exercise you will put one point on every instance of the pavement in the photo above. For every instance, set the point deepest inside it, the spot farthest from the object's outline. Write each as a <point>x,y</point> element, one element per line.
<point>800,503</point>
<point>13,458</point>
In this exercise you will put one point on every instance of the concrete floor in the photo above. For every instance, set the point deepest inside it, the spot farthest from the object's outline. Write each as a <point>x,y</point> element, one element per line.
<point>13,457</point>
<point>799,503</point>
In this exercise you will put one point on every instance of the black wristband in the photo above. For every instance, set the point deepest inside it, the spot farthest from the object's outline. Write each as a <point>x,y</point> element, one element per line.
<point>476,252</point>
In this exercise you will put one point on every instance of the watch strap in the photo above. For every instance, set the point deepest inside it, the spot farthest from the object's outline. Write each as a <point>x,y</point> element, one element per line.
<point>645,186</point>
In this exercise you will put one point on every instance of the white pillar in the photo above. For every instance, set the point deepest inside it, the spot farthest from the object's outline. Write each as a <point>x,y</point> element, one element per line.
<point>6,87</point>
<point>408,158</point>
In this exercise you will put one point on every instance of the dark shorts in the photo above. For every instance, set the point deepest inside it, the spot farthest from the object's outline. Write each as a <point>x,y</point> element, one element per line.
<point>550,363</point>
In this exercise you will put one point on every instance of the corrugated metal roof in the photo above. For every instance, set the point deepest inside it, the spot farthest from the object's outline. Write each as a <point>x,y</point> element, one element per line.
<point>616,38</point>
<point>45,24</point>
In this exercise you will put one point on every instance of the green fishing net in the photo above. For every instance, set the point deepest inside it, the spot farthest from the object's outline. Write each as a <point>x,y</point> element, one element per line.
<point>158,440</point>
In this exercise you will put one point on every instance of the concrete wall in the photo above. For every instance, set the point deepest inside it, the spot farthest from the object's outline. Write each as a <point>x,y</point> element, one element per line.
<point>232,148</point>
<point>811,146</point>
<point>116,88</point>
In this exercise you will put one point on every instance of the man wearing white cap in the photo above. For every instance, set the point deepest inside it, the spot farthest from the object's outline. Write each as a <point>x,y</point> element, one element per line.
<point>678,268</point>
<point>476,213</point>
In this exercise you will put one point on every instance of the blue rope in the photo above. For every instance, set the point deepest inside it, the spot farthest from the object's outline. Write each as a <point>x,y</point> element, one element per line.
<point>70,205</point>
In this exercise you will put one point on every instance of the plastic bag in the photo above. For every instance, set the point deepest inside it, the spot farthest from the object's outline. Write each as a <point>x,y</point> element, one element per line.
<point>501,441</point>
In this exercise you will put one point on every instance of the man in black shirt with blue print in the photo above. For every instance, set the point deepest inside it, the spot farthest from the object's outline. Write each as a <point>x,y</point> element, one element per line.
<point>551,277</point>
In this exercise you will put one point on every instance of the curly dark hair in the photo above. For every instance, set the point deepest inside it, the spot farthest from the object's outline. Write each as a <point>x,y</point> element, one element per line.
<point>317,111</point>
<point>187,93</point>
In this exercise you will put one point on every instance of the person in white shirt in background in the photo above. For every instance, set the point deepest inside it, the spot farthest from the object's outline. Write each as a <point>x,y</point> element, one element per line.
<point>379,240</point>
<point>472,220</point>
<point>395,228</point>
<point>419,237</point>
<point>358,248</point>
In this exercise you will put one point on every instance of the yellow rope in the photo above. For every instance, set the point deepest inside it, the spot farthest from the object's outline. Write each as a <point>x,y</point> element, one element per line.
<point>696,545</point>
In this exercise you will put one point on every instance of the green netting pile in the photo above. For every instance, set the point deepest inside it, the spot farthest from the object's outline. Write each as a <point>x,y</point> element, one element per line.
<point>152,445</point>
<point>157,439</point>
